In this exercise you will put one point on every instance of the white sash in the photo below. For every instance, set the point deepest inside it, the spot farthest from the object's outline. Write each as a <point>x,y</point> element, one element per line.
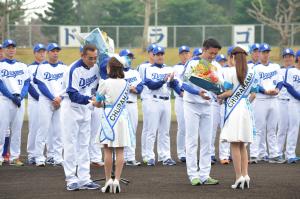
<point>237,95</point>
<point>109,120</point>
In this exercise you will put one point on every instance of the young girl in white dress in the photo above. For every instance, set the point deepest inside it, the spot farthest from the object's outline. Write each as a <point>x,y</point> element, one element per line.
<point>116,131</point>
<point>238,127</point>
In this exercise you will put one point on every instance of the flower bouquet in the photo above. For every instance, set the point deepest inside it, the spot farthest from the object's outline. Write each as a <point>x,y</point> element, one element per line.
<point>205,76</point>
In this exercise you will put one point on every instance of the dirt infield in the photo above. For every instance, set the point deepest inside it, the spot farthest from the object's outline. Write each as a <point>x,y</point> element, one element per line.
<point>267,180</point>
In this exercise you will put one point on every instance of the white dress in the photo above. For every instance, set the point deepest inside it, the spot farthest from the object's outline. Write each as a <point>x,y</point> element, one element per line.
<point>239,126</point>
<point>123,130</point>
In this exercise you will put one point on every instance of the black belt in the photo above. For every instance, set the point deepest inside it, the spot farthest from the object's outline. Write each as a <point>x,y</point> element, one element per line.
<point>161,97</point>
<point>130,102</point>
<point>16,95</point>
<point>285,99</point>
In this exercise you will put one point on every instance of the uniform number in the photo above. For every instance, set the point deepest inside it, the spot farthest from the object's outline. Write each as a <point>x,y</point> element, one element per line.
<point>20,81</point>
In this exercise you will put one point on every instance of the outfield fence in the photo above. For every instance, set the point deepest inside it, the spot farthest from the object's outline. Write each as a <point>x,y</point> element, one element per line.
<point>131,36</point>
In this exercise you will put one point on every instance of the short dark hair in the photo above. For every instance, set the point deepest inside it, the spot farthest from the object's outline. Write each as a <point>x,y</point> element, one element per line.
<point>211,43</point>
<point>115,69</point>
<point>88,47</point>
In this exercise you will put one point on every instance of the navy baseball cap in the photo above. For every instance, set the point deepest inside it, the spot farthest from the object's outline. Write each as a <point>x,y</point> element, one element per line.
<point>288,51</point>
<point>9,42</point>
<point>151,47</point>
<point>197,52</point>
<point>297,55</point>
<point>264,47</point>
<point>221,57</point>
<point>126,52</point>
<point>38,47</point>
<point>158,49</point>
<point>183,49</point>
<point>52,46</point>
<point>229,50</point>
<point>254,47</point>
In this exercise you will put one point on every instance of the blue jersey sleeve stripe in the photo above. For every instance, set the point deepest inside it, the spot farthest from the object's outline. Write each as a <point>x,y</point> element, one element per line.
<point>25,88</point>
<point>44,90</point>
<point>190,89</point>
<point>4,90</point>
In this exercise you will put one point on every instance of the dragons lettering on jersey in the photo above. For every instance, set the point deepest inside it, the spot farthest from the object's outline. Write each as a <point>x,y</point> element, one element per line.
<point>159,77</point>
<point>296,78</point>
<point>132,79</point>
<point>87,82</point>
<point>267,75</point>
<point>8,74</point>
<point>48,76</point>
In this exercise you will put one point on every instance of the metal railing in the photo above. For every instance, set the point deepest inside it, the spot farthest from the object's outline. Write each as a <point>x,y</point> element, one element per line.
<point>131,36</point>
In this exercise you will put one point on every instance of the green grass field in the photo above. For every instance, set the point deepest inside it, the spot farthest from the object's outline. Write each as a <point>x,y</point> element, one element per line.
<point>69,55</point>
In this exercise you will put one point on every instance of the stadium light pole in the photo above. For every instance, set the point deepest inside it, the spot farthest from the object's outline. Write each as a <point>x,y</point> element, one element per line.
<point>155,20</point>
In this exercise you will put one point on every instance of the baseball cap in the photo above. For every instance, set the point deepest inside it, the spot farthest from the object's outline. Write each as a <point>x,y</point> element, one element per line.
<point>197,52</point>
<point>38,47</point>
<point>264,47</point>
<point>254,47</point>
<point>52,46</point>
<point>220,58</point>
<point>126,52</point>
<point>151,47</point>
<point>229,50</point>
<point>183,49</point>
<point>288,51</point>
<point>158,49</point>
<point>9,42</point>
<point>297,55</point>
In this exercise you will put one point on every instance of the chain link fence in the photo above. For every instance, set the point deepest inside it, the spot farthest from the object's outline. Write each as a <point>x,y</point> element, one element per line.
<point>131,36</point>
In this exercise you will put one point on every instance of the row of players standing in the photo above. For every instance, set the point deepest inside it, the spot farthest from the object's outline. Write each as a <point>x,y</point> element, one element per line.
<point>155,98</point>
<point>275,108</point>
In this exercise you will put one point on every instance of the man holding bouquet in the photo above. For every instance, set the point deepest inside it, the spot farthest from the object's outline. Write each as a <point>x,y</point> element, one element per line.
<point>198,114</point>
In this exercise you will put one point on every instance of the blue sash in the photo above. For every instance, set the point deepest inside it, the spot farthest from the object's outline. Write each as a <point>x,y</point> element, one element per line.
<point>110,119</point>
<point>238,94</point>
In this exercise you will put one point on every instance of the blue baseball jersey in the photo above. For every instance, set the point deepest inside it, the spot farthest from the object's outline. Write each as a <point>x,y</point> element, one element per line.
<point>269,77</point>
<point>141,69</point>
<point>133,78</point>
<point>50,76</point>
<point>13,75</point>
<point>156,74</point>
<point>83,81</point>
<point>293,78</point>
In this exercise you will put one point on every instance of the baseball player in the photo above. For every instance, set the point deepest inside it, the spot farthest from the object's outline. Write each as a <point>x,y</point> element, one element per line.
<point>288,57</point>
<point>159,81</point>
<point>14,83</point>
<point>198,121</point>
<point>39,51</point>
<point>216,109</point>
<point>5,153</point>
<point>80,80</point>
<point>49,79</point>
<point>292,84</point>
<point>145,97</point>
<point>266,109</point>
<point>136,87</point>
<point>218,113</point>
<point>254,55</point>
<point>184,56</point>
